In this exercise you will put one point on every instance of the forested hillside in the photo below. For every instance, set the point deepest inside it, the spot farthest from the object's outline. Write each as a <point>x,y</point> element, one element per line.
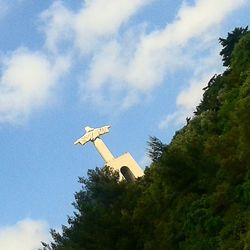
<point>196,193</point>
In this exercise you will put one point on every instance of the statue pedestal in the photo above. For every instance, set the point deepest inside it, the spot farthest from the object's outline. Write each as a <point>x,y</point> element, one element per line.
<point>127,167</point>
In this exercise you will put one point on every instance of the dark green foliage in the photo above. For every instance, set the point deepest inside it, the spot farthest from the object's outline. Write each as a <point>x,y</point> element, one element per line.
<point>196,193</point>
<point>156,148</point>
<point>211,95</point>
<point>102,220</point>
<point>229,43</point>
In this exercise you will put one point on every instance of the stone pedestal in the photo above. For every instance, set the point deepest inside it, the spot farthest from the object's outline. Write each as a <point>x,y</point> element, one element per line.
<point>127,167</point>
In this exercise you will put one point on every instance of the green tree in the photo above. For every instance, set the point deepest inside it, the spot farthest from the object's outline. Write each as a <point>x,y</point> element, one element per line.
<point>229,43</point>
<point>195,194</point>
<point>156,148</point>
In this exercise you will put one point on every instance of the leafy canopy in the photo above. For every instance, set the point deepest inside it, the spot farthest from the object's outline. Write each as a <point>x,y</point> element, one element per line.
<point>196,193</point>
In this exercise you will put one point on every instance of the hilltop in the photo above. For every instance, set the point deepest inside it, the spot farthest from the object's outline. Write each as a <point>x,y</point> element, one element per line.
<point>196,193</point>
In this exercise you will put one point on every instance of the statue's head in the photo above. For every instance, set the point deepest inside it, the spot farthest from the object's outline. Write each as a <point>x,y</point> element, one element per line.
<point>88,129</point>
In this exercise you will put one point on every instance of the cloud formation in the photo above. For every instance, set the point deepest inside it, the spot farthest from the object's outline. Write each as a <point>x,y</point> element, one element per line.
<point>27,79</point>
<point>88,26</point>
<point>191,96</point>
<point>24,235</point>
<point>139,69</point>
<point>118,60</point>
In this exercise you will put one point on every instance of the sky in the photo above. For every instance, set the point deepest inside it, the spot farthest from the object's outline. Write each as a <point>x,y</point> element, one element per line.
<point>137,65</point>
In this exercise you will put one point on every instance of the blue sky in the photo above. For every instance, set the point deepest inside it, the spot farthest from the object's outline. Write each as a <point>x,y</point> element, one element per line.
<point>138,65</point>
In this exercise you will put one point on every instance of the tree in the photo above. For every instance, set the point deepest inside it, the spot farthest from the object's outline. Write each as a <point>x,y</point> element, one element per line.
<point>156,148</point>
<point>229,44</point>
<point>196,193</point>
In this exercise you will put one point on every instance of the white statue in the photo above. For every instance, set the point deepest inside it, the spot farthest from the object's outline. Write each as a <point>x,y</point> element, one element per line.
<point>125,163</point>
<point>92,134</point>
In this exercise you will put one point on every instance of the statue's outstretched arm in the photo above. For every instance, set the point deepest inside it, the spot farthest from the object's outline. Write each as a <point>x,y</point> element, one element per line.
<point>84,139</point>
<point>104,130</point>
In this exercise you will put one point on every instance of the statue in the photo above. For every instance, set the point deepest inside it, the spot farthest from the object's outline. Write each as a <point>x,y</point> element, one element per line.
<point>125,164</point>
<point>92,134</point>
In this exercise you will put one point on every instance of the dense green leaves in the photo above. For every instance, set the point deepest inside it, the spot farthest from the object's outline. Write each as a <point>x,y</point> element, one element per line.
<point>196,193</point>
<point>229,43</point>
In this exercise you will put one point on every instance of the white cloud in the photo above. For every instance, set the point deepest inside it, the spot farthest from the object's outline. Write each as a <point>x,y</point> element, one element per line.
<point>106,66</point>
<point>190,97</point>
<point>24,235</point>
<point>91,30</point>
<point>102,19</point>
<point>125,64</point>
<point>157,53</point>
<point>97,19</point>
<point>57,25</point>
<point>27,79</point>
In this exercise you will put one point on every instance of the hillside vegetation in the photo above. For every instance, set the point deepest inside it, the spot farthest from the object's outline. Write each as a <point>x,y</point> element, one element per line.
<point>196,193</point>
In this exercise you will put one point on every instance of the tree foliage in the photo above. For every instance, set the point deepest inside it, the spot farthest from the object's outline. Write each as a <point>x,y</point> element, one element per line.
<point>156,148</point>
<point>196,193</point>
<point>229,43</point>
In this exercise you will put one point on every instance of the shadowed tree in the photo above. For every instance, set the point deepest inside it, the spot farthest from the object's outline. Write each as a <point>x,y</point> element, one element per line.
<point>156,148</point>
<point>229,44</point>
